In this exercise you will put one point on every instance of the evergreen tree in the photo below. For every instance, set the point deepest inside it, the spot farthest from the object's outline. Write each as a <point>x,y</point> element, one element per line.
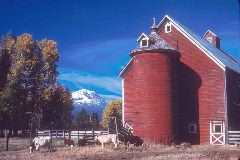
<point>82,120</point>
<point>67,109</point>
<point>94,122</point>
<point>57,111</point>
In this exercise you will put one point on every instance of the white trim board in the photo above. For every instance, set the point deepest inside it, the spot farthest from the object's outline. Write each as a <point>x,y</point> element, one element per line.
<point>210,32</point>
<point>121,73</point>
<point>123,114</point>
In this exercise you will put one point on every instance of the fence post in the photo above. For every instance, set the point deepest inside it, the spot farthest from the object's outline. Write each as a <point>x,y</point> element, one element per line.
<point>69,134</point>
<point>108,126</point>
<point>50,132</point>
<point>116,128</point>
<point>78,134</point>
<point>7,139</point>
<point>64,134</point>
<point>93,134</point>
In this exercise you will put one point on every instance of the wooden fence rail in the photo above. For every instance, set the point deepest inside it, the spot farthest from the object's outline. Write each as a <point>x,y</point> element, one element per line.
<point>73,134</point>
<point>234,137</point>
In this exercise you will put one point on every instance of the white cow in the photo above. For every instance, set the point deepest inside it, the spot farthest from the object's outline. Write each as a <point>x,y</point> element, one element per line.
<point>39,142</point>
<point>103,139</point>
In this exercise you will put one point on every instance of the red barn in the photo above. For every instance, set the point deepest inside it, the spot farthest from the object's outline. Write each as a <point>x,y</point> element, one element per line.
<point>181,87</point>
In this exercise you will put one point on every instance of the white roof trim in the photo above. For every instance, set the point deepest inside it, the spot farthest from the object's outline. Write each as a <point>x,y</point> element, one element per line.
<point>189,37</point>
<point>121,73</point>
<point>143,34</point>
<point>162,20</point>
<point>210,32</point>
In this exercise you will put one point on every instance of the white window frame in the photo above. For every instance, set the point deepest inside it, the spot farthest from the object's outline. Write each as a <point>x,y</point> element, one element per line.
<point>144,39</point>
<point>190,125</point>
<point>166,27</point>
<point>217,124</point>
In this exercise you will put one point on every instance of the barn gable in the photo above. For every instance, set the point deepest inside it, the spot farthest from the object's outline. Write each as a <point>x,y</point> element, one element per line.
<point>221,58</point>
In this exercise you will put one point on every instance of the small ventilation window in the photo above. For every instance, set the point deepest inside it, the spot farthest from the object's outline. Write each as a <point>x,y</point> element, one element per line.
<point>217,128</point>
<point>168,28</point>
<point>192,128</point>
<point>144,42</point>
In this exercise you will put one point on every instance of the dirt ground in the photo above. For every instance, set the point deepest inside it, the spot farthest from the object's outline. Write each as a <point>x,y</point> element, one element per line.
<point>18,151</point>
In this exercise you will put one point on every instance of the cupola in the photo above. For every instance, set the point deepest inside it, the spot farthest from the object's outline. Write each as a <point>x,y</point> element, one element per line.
<point>212,38</point>
<point>154,27</point>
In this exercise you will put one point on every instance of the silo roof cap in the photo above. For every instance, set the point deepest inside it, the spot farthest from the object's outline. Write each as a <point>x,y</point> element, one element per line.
<point>155,42</point>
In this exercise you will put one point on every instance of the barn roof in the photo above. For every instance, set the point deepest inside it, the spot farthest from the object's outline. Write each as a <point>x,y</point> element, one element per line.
<point>156,43</point>
<point>223,59</point>
<point>218,55</point>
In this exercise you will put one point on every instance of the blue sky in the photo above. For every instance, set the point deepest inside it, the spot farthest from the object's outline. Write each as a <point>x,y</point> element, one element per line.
<point>95,36</point>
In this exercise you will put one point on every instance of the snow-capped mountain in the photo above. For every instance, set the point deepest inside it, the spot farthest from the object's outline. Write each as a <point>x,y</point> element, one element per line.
<point>90,100</point>
<point>84,96</point>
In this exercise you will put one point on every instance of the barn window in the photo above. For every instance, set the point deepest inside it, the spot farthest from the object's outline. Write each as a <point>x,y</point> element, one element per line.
<point>144,42</point>
<point>168,28</point>
<point>192,128</point>
<point>217,128</point>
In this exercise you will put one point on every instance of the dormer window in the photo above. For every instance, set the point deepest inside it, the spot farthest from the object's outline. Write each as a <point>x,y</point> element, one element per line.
<point>168,28</point>
<point>144,42</point>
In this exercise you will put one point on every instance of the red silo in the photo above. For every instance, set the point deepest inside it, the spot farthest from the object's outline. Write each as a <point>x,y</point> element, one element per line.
<point>155,83</point>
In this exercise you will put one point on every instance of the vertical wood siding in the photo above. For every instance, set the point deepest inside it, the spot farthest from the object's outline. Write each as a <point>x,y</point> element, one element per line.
<point>201,88</point>
<point>150,96</point>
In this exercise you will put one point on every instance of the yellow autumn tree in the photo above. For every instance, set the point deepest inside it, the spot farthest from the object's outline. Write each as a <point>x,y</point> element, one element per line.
<point>113,109</point>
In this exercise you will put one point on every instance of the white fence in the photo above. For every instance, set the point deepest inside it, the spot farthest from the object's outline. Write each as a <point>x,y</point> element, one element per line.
<point>73,134</point>
<point>234,137</point>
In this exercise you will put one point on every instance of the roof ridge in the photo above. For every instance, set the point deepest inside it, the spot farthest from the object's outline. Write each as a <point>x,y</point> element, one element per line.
<point>234,59</point>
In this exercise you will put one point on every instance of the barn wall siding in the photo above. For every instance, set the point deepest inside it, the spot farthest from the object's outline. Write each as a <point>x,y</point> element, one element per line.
<point>201,88</point>
<point>149,89</point>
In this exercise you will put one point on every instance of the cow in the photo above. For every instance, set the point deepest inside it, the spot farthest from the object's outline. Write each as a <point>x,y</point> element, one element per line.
<point>82,142</point>
<point>68,142</point>
<point>103,139</point>
<point>136,141</point>
<point>40,142</point>
<point>129,139</point>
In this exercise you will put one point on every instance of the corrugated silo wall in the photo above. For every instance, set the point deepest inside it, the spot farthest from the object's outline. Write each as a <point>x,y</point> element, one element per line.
<point>150,90</point>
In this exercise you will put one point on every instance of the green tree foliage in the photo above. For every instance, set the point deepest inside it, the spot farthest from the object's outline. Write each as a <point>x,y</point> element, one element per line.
<point>113,109</point>
<point>28,83</point>
<point>82,120</point>
<point>94,122</point>
<point>57,111</point>
<point>67,109</point>
<point>6,50</point>
<point>85,122</point>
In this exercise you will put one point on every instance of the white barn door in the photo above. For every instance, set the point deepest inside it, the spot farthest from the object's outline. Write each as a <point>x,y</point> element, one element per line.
<point>217,132</point>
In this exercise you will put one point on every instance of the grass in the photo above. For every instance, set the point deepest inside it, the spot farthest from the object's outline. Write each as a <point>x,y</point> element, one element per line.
<point>18,151</point>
